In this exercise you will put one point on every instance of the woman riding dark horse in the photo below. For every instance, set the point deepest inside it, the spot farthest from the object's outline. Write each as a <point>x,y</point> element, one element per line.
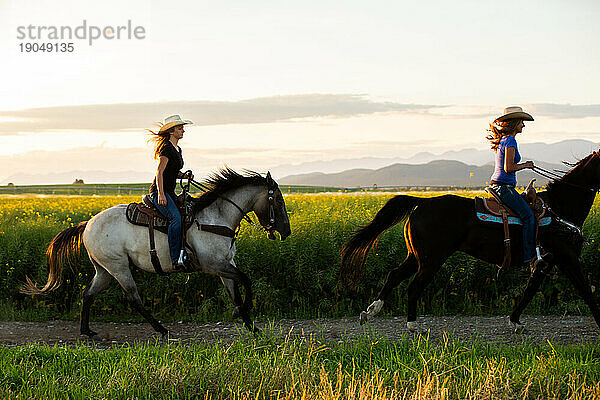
<point>502,137</point>
<point>162,190</point>
<point>437,227</point>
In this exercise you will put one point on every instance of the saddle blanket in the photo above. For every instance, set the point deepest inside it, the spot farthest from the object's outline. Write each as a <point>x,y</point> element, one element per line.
<point>511,220</point>
<point>138,218</point>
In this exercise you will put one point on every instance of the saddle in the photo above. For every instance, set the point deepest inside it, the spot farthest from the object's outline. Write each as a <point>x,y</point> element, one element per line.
<point>146,214</point>
<point>491,209</point>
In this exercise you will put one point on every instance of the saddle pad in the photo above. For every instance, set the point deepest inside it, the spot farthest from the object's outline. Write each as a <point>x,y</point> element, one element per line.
<point>137,217</point>
<point>511,220</point>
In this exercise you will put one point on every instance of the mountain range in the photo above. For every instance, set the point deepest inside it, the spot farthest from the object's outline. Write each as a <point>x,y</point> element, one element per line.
<point>468,167</point>
<point>555,153</point>
<point>433,173</point>
<point>422,169</point>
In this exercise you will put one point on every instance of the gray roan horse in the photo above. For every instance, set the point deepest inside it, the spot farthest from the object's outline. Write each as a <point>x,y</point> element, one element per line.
<point>114,245</point>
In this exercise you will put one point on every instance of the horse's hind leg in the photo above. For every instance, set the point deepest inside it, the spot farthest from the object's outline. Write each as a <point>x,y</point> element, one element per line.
<point>125,279</point>
<point>415,289</point>
<point>394,278</point>
<point>99,282</point>
<point>397,275</point>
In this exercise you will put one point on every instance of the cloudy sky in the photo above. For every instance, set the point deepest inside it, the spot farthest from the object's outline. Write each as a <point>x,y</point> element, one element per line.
<point>270,82</point>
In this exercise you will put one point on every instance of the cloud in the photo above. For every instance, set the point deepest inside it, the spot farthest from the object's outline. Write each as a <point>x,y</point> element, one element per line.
<point>137,116</point>
<point>547,110</point>
<point>564,111</point>
<point>127,116</point>
<point>418,142</point>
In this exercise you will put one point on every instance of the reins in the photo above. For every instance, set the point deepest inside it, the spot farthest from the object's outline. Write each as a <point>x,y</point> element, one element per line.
<point>546,173</point>
<point>245,216</point>
<point>558,178</point>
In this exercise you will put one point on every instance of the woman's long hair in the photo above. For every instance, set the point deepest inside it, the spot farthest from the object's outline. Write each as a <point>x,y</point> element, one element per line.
<point>499,129</point>
<point>159,138</point>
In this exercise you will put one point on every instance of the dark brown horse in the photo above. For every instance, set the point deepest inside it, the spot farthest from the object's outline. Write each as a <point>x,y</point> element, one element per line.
<point>439,226</point>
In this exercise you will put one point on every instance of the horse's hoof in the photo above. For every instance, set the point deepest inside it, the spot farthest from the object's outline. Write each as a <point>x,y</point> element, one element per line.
<point>517,327</point>
<point>363,318</point>
<point>235,314</point>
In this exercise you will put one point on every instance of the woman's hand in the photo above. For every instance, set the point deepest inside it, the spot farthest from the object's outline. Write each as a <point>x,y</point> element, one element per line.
<point>188,175</point>
<point>528,164</point>
<point>162,199</point>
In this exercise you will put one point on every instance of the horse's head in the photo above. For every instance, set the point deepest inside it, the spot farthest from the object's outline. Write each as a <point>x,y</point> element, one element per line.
<point>269,207</point>
<point>586,172</point>
<point>596,157</point>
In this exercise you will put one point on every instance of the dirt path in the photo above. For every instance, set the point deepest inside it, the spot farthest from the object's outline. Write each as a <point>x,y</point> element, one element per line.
<point>540,329</point>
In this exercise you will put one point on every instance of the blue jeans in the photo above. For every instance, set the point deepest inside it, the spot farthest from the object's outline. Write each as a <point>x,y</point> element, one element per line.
<point>517,203</point>
<point>174,217</point>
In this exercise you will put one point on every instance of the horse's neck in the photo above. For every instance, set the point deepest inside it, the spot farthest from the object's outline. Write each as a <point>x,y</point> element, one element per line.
<point>570,200</point>
<point>243,197</point>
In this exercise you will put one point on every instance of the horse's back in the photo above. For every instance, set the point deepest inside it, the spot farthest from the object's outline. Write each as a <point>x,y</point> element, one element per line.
<point>446,207</point>
<point>439,219</point>
<point>107,218</point>
<point>107,229</point>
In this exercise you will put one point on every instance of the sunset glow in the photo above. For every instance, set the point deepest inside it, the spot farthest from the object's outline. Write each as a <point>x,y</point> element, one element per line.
<point>270,84</point>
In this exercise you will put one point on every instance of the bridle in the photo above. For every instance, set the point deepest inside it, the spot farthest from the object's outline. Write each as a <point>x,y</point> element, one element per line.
<point>555,177</point>
<point>271,189</point>
<point>552,175</point>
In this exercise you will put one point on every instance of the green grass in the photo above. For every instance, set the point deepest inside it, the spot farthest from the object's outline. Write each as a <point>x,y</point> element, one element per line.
<point>275,367</point>
<point>296,278</point>
<point>124,189</point>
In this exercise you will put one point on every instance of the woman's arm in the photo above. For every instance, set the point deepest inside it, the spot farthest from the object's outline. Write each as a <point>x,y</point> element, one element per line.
<point>162,164</point>
<point>509,161</point>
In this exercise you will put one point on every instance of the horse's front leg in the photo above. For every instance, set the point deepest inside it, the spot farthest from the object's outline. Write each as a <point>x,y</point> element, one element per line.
<point>574,272</point>
<point>232,277</point>
<point>533,284</point>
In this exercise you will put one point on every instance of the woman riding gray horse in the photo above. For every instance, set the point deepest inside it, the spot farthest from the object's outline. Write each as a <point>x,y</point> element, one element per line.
<point>114,245</point>
<point>162,190</point>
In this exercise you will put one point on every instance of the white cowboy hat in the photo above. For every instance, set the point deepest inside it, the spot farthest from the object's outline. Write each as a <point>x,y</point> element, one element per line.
<point>513,112</point>
<point>172,121</point>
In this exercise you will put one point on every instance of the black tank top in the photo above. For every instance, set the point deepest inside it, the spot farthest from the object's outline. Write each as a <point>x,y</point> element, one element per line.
<point>174,165</point>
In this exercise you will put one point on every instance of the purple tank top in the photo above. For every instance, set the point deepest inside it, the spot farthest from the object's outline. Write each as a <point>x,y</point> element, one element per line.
<point>500,175</point>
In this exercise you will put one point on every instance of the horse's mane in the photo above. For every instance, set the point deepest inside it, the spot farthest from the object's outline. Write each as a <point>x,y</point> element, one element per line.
<point>575,168</point>
<point>222,181</point>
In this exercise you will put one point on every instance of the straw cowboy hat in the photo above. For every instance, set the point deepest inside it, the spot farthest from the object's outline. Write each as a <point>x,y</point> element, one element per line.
<point>172,121</point>
<point>514,112</point>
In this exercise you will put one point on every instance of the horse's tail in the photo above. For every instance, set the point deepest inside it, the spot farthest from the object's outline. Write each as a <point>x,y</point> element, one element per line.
<point>63,248</point>
<point>354,253</point>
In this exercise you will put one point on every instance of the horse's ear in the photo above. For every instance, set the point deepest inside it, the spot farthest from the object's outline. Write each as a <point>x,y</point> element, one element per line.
<point>269,179</point>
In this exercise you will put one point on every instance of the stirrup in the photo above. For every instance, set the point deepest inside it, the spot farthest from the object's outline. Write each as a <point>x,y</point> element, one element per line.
<point>183,262</point>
